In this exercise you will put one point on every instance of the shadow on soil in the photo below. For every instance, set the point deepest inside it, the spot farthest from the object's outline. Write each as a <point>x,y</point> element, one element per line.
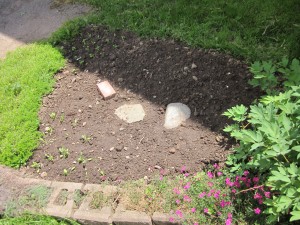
<point>165,71</point>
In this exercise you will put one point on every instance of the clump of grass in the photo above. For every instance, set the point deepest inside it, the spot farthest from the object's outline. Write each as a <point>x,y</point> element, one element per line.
<point>100,199</point>
<point>25,76</point>
<point>78,197</point>
<point>62,198</point>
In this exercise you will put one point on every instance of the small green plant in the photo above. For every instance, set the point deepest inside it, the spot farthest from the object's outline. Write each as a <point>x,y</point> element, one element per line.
<point>37,166</point>
<point>62,117</point>
<point>86,139</point>
<point>65,172</point>
<point>52,115</point>
<point>49,157</point>
<point>63,152</point>
<point>75,122</point>
<point>62,197</point>
<point>81,159</point>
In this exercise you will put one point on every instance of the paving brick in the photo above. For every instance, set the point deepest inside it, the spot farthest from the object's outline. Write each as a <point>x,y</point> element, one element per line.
<point>164,219</point>
<point>106,90</point>
<point>127,217</point>
<point>86,215</point>
<point>32,181</point>
<point>63,211</point>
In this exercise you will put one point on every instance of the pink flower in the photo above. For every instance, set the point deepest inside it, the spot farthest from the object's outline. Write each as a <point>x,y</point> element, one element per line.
<point>228,182</point>
<point>187,186</point>
<point>176,191</point>
<point>210,184</point>
<point>233,191</point>
<point>205,210</point>
<point>196,223</point>
<point>257,196</point>
<point>210,174</point>
<point>223,203</point>
<point>161,177</point>
<point>186,198</point>
<point>186,174</point>
<point>179,213</point>
<point>260,201</point>
<point>219,173</point>
<point>172,220</point>
<point>193,210</point>
<point>229,219</point>
<point>268,194</point>
<point>183,169</point>
<point>216,166</point>
<point>237,184</point>
<point>246,173</point>
<point>219,214</point>
<point>177,201</point>
<point>201,195</point>
<point>257,211</point>
<point>255,179</point>
<point>217,194</point>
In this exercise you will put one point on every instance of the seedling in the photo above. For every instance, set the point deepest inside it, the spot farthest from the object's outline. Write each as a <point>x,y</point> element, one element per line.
<point>65,172</point>
<point>48,130</point>
<point>62,118</point>
<point>81,159</point>
<point>49,157</point>
<point>63,152</point>
<point>37,166</point>
<point>52,115</point>
<point>86,139</point>
<point>75,122</point>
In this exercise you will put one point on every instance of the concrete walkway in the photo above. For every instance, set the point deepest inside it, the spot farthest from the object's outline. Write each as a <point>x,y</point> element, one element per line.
<point>25,21</point>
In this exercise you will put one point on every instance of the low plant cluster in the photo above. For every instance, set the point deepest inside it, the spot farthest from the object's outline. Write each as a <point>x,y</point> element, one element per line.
<point>269,140</point>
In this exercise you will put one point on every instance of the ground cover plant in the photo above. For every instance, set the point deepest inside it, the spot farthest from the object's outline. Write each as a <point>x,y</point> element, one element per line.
<point>25,76</point>
<point>251,29</point>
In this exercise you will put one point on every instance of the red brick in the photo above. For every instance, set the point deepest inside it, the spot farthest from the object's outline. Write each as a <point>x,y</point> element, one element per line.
<point>106,90</point>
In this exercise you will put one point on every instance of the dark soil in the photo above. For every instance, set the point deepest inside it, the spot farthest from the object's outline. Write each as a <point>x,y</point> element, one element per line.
<point>151,72</point>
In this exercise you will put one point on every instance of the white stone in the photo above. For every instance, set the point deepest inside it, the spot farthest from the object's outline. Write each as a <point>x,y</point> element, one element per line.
<point>130,113</point>
<point>176,113</point>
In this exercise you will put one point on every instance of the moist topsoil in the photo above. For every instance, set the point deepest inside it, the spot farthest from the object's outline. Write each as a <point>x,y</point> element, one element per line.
<point>153,73</point>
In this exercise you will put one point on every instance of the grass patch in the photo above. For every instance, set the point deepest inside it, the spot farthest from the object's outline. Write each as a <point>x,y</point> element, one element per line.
<point>29,219</point>
<point>25,76</point>
<point>251,29</point>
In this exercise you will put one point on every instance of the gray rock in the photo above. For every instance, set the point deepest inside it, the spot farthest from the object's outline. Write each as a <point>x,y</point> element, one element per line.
<point>176,114</point>
<point>131,113</point>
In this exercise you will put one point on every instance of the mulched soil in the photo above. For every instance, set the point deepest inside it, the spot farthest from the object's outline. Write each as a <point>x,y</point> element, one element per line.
<point>154,73</point>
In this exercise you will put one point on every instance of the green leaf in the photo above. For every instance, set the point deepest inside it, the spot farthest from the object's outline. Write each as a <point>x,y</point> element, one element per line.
<point>279,176</point>
<point>295,216</point>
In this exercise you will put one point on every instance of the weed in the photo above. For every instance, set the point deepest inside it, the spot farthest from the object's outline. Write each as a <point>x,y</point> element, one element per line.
<point>62,198</point>
<point>99,200</point>
<point>81,159</point>
<point>65,172</point>
<point>78,197</point>
<point>63,152</point>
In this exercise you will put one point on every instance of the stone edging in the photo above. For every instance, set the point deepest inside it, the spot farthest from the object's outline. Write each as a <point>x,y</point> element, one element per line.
<point>84,214</point>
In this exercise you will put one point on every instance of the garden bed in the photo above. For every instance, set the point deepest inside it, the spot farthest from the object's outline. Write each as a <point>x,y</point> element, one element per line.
<point>150,72</point>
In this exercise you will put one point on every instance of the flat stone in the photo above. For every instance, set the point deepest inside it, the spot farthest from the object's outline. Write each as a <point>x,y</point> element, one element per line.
<point>126,217</point>
<point>176,114</point>
<point>131,113</point>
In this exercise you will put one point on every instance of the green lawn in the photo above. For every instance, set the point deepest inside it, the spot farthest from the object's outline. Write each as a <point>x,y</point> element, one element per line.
<point>25,76</point>
<point>252,29</point>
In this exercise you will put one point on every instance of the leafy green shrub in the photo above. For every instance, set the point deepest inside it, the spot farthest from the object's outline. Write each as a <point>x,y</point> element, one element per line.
<point>269,140</point>
<point>25,76</point>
